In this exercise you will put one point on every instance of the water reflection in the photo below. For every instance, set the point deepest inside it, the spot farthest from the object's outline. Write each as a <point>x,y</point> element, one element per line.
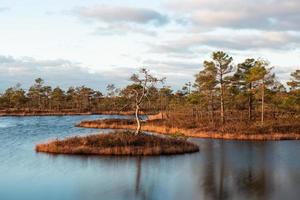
<point>251,181</point>
<point>221,170</point>
<point>138,175</point>
<point>237,171</point>
<point>209,181</point>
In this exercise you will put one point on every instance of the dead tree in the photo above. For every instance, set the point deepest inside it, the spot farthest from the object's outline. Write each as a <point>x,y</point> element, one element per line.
<point>139,90</point>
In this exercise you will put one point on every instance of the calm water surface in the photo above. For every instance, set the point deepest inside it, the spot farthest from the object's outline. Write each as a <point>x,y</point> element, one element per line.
<point>221,170</point>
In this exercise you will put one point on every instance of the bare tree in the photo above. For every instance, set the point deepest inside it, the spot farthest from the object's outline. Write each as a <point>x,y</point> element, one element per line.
<point>143,82</point>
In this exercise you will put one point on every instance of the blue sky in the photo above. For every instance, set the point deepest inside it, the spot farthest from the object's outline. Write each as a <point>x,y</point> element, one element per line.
<point>93,43</point>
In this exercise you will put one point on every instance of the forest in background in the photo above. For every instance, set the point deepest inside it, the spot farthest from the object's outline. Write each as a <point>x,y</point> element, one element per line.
<point>221,96</point>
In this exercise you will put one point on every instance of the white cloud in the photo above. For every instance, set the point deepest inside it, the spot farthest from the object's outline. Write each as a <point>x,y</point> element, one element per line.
<point>243,40</point>
<point>255,14</point>
<point>117,14</point>
<point>117,20</point>
<point>122,29</point>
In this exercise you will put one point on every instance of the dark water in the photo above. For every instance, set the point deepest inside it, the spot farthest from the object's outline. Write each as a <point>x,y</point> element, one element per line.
<point>221,170</point>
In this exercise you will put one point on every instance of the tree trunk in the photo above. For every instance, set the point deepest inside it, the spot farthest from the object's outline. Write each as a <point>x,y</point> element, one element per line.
<point>212,109</point>
<point>222,110</point>
<point>222,104</point>
<point>250,102</point>
<point>262,103</point>
<point>250,107</point>
<point>39,102</point>
<point>138,121</point>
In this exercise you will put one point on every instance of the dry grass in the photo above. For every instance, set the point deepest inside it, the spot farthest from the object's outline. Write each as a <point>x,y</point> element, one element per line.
<point>236,122</point>
<point>254,132</point>
<point>119,143</point>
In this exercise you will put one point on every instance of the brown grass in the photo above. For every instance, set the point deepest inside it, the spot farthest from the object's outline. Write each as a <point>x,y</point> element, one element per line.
<point>119,143</point>
<point>237,122</point>
<point>160,126</point>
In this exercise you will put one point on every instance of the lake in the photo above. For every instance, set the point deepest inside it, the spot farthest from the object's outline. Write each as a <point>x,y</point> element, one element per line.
<point>221,170</point>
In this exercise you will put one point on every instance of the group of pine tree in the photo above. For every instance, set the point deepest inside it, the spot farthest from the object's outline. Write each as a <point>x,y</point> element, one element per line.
<point>221,92</point>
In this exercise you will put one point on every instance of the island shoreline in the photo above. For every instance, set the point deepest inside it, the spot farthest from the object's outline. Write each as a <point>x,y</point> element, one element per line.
<point>123,143</point>
<point>193,132</point>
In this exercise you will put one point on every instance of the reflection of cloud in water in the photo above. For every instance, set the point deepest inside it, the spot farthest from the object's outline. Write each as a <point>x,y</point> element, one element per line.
<point>6,125</point>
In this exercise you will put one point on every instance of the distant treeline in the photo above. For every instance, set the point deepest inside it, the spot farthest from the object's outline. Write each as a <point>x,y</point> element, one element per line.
<point>221,92</point>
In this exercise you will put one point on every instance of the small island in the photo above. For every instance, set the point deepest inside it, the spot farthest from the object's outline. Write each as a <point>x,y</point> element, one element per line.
<point>119,143</point>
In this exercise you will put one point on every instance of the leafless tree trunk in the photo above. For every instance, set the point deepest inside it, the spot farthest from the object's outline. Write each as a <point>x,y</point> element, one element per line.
<point>138,120</point>
<point>250,100</point>
<point>145,83</point>
<point>138,101</point>
<point>212,109</point>
<point>222,99</point>
<point>262,103</point>
<point>249,108</point>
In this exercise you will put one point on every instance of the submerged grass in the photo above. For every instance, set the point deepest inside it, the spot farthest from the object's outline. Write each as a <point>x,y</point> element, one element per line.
<point>119,143</point>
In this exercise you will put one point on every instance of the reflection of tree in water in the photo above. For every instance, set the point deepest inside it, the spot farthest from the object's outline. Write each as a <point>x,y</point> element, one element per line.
<point>224,180</point>
<point>209,185</point>
<point>212,184</point>
<point>138,175</point>
<point>223,191</point>
<point>252,181</point>
<point>140,193</point>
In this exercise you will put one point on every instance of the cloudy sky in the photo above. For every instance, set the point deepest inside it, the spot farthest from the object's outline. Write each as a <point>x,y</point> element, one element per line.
<point>94,42</point>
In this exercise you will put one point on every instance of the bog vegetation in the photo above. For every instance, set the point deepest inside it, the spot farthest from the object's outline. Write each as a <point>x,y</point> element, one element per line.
<point>223,96</point>
<point>119,143</point>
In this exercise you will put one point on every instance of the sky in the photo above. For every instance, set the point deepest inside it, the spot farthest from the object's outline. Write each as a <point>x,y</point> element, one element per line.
<point>95,43</point>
